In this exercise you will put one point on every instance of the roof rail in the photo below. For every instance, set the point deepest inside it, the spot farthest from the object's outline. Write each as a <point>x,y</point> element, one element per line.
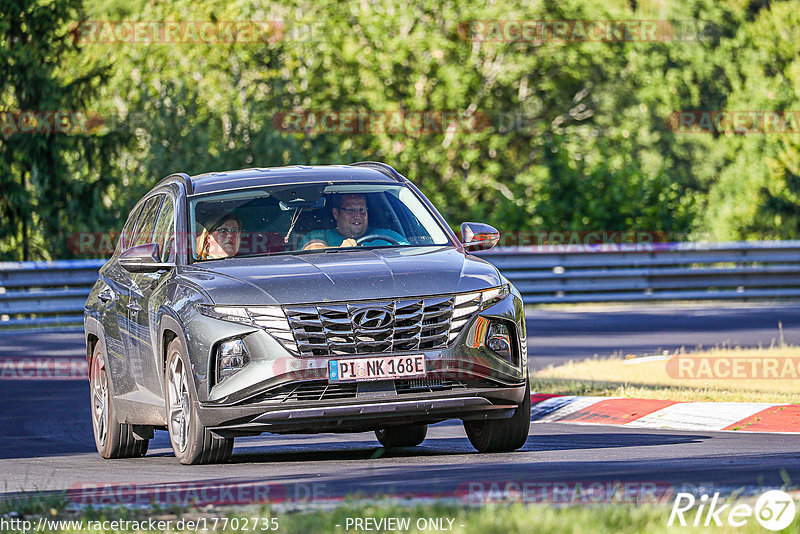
<point>187,181</point>
<point>388,170</point>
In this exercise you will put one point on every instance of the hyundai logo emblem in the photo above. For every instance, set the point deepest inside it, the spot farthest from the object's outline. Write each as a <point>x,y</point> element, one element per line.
<point>372,318</point>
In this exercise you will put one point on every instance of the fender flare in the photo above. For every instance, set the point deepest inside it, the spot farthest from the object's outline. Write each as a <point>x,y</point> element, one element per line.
<point>170,321</point>
<point>92,326</point>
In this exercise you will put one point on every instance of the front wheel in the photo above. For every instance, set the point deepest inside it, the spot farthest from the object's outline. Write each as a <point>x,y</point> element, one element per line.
<point>502,435</point>
<point>112,439</point>
<point>402,436</point>
<point>192,443</point>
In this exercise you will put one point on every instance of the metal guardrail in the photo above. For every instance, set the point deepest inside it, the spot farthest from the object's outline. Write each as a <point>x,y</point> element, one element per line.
<point>47,294</point>
<point>652,271</point>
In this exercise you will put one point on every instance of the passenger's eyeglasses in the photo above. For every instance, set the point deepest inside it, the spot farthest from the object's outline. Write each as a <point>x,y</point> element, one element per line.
<point>224,232</point>
<point>353,211</point>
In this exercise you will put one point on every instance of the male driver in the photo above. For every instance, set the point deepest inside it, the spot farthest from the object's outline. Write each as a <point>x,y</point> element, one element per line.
<point>352,222</point>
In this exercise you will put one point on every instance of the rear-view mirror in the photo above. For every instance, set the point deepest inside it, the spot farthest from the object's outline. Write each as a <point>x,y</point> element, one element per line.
<point>300,202</point>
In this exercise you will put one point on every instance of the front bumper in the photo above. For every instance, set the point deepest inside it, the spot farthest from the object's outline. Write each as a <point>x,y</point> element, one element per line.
<point>273,393</point>
<point>369,411</point>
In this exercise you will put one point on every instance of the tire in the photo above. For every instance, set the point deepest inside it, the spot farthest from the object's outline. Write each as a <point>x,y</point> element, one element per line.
<point>192,443</point>
<point>502,435</point>
<point>402,436</point>
<point>112,439</point>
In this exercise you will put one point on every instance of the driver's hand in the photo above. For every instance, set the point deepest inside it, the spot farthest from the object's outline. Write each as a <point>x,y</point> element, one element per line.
<point>349,242</point>
<point>315,244</point>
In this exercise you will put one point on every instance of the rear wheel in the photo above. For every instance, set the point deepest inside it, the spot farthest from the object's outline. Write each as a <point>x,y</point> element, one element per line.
<point>502,435</point>
<point>113,439</point>
<point>192,443</point>
<point>402,436</point>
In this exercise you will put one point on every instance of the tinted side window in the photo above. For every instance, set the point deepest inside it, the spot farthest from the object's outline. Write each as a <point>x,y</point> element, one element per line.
<point>147,221</point>
<point>126,239</point>
<point>165,229</point>
<point>412,228</point>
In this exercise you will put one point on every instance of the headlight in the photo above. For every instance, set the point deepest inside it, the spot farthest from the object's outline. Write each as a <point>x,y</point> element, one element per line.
<point>498,339</point>
<point>494,295</point>
<point>270,318</point>
<point>236,314</point>
<point>467,304</point>
<point>496,335</point>
<point>231,358</point>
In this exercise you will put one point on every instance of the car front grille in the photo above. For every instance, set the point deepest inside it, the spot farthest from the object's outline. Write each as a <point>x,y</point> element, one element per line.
<point>380,326</point>
<point>317,390</point>
<point>424,385</point>
<point>322,390</point>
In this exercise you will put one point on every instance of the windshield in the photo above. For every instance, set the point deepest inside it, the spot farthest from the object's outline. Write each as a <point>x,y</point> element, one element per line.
<point>308,218</point>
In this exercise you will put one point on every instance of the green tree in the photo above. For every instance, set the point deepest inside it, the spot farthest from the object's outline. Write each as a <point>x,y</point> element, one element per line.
<point>51,180</point>
<point>578,136</point>
<point>757,193</point>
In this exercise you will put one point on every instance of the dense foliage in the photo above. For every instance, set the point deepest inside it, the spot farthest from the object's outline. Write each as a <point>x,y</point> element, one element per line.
<point>571,135</point>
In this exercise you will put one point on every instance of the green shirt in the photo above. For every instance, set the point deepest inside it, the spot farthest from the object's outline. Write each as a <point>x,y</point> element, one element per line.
<point>333,238</point>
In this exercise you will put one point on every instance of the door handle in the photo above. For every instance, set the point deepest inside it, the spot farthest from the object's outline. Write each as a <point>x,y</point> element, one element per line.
<point>106,295</point>
<point>134,307</point>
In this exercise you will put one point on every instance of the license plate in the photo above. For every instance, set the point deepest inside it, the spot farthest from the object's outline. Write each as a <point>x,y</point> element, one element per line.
<point>381,368</point>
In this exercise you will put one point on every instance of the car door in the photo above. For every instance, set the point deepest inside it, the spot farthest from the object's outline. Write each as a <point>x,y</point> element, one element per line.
<point>114,296</point>
<point>138,340</point>
<point>147,296</point>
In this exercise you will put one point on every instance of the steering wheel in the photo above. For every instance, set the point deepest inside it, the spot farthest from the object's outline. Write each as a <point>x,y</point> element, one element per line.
<point>375,237</point>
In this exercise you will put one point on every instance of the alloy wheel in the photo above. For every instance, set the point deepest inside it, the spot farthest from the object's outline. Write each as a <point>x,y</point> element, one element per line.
<point>100,400</point>
<point>179,407</point>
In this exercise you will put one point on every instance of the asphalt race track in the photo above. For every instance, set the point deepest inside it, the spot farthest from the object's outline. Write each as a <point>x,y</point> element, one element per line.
<point>557,336</point>
<point>47,442</point>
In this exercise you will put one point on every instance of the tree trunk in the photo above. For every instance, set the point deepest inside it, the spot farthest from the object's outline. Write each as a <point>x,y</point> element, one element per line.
<point>24,216</point>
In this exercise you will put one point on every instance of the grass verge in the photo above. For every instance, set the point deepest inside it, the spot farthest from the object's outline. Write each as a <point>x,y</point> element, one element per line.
<point>722,375</point>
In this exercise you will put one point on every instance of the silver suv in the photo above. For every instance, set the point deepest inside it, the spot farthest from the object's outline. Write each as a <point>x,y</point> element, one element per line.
<point>301,300</point>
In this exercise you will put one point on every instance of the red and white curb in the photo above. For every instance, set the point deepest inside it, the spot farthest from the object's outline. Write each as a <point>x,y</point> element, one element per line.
<point>643,413</point>
<point>651,413</point>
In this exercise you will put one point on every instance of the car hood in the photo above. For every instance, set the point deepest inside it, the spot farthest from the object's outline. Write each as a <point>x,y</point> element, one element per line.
<point>342,276</point>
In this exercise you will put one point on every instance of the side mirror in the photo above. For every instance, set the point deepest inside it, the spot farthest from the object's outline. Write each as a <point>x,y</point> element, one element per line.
<point>478,236</point>
<point>143,259</point>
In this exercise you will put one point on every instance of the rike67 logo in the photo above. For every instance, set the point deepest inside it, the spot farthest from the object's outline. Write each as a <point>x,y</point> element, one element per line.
<point>774,510</point>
